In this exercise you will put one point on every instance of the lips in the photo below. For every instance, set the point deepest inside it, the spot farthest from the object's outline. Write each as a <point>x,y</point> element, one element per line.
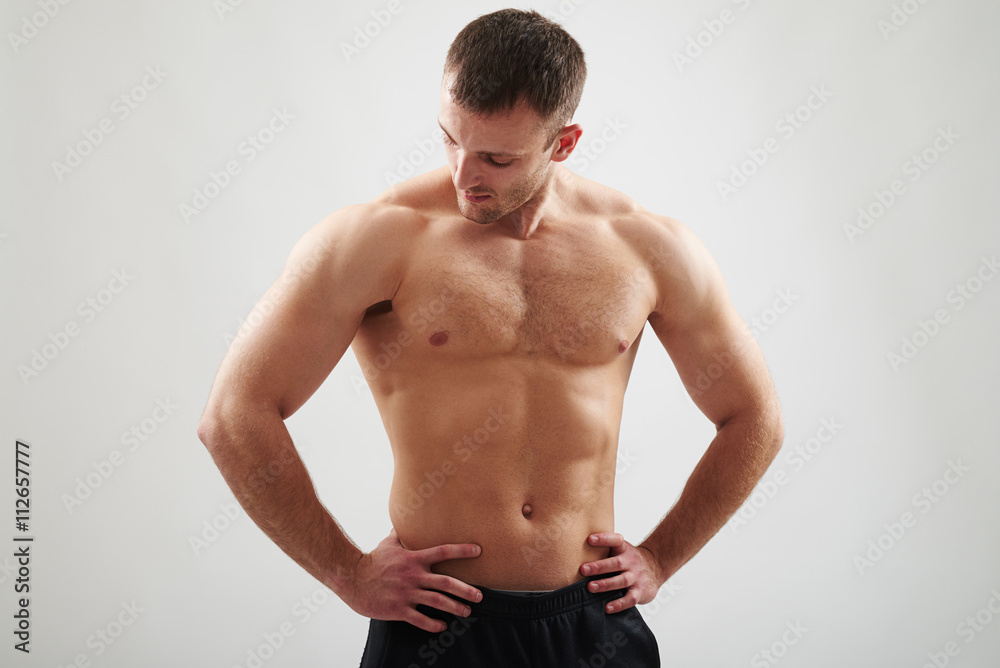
<point>475,198</point>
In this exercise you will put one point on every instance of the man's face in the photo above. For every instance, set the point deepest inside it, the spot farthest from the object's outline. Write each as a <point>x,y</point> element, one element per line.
<point>501,157</point>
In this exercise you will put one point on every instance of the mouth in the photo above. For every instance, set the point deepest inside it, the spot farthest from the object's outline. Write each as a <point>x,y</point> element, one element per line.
<point>476,199</point>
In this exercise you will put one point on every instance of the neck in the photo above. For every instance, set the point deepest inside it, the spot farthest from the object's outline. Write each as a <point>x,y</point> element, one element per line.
<point>525,221</point>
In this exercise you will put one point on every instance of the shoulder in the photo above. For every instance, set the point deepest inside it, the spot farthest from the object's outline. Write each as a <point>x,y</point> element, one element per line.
<point>648,232</point>
<point>393,217</point>
<point>367,229</point>
<point>363,247</point>
<point>677,263</point>
<point>425,194</point>
<point>668,253</point>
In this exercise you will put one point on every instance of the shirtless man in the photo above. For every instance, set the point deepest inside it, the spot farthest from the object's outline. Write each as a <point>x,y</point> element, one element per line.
<point>495,306</point>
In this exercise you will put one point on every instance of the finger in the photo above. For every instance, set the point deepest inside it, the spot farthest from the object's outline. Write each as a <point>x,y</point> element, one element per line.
<point>624,603</point>
<point>609,565</point>
<point>433,555</point>
<point>424,622</point>
<point>439,601</point>
<point>607,539</point>
<point>452,585</point>
<point>608,584</point>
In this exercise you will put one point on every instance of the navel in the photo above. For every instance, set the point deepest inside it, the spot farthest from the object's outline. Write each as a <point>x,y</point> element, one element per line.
<point>526,511</point>
<point>438,338</point>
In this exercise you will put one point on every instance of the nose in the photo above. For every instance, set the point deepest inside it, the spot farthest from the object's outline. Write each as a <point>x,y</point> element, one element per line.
<point>467,176</point>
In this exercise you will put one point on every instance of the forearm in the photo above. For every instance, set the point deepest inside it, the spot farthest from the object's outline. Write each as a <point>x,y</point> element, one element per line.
<point>723,479</point>
<point>258,460</point>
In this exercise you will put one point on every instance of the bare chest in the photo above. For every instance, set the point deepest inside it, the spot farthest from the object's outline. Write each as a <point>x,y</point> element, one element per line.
<point>570,301</point>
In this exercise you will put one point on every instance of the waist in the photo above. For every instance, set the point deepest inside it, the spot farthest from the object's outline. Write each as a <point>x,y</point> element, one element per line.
<point>534,605</point>
<point>543,551</point>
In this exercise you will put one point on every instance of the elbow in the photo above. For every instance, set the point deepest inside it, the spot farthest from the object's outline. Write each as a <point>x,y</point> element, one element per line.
<point>778,433</point>
<point>775,430</point>
<point>208,428</point>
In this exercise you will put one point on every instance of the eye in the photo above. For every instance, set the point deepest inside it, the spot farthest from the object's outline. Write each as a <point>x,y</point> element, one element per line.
<point>490,161</point>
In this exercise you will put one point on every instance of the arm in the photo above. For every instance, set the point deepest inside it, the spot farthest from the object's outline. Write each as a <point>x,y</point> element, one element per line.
<point>290,342</point>
<point>703,334</point>
<point>295,336</point>
<point>723,369</point>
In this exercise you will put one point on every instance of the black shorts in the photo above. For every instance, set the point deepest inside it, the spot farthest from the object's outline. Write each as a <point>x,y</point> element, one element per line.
<point>567,627</point>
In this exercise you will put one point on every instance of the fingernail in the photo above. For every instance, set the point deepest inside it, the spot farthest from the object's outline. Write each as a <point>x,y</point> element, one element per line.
<point>467,611</point>
<point>586,570</point>
<point>479,595</point>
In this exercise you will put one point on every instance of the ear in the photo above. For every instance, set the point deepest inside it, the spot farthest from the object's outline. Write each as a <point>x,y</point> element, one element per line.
<point>565,142</point>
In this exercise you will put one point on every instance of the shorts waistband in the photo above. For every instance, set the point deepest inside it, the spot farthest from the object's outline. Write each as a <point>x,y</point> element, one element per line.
<point>533,605</point>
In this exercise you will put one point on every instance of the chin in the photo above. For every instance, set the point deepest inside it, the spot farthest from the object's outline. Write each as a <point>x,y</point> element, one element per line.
<point>476,215</point>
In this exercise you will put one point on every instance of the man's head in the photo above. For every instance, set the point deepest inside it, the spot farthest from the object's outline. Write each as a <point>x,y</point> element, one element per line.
<point>512,81</point>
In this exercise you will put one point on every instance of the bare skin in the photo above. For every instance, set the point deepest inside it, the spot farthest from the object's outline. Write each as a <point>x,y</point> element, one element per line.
<point>497,337</point>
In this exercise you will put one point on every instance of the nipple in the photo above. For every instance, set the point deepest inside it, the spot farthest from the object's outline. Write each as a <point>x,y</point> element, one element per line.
<point>526,511</point>
<point>622,345</point>
<point>438,338</point>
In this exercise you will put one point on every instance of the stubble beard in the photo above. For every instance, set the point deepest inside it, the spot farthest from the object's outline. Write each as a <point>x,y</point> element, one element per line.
<point>519,193</point>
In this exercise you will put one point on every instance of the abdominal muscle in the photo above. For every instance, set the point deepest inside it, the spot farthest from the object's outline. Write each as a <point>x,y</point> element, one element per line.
<point>526,482</point>
<point>530,539</point>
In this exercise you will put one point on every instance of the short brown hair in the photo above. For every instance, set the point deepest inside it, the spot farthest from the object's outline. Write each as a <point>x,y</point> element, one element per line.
<point>510,54</point>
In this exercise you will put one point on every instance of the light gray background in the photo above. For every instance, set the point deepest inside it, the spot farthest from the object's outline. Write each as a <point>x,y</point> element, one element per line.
<point>681,130</point>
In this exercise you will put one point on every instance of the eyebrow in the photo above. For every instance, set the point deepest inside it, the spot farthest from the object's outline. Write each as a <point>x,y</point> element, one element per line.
<point>496,154</point>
